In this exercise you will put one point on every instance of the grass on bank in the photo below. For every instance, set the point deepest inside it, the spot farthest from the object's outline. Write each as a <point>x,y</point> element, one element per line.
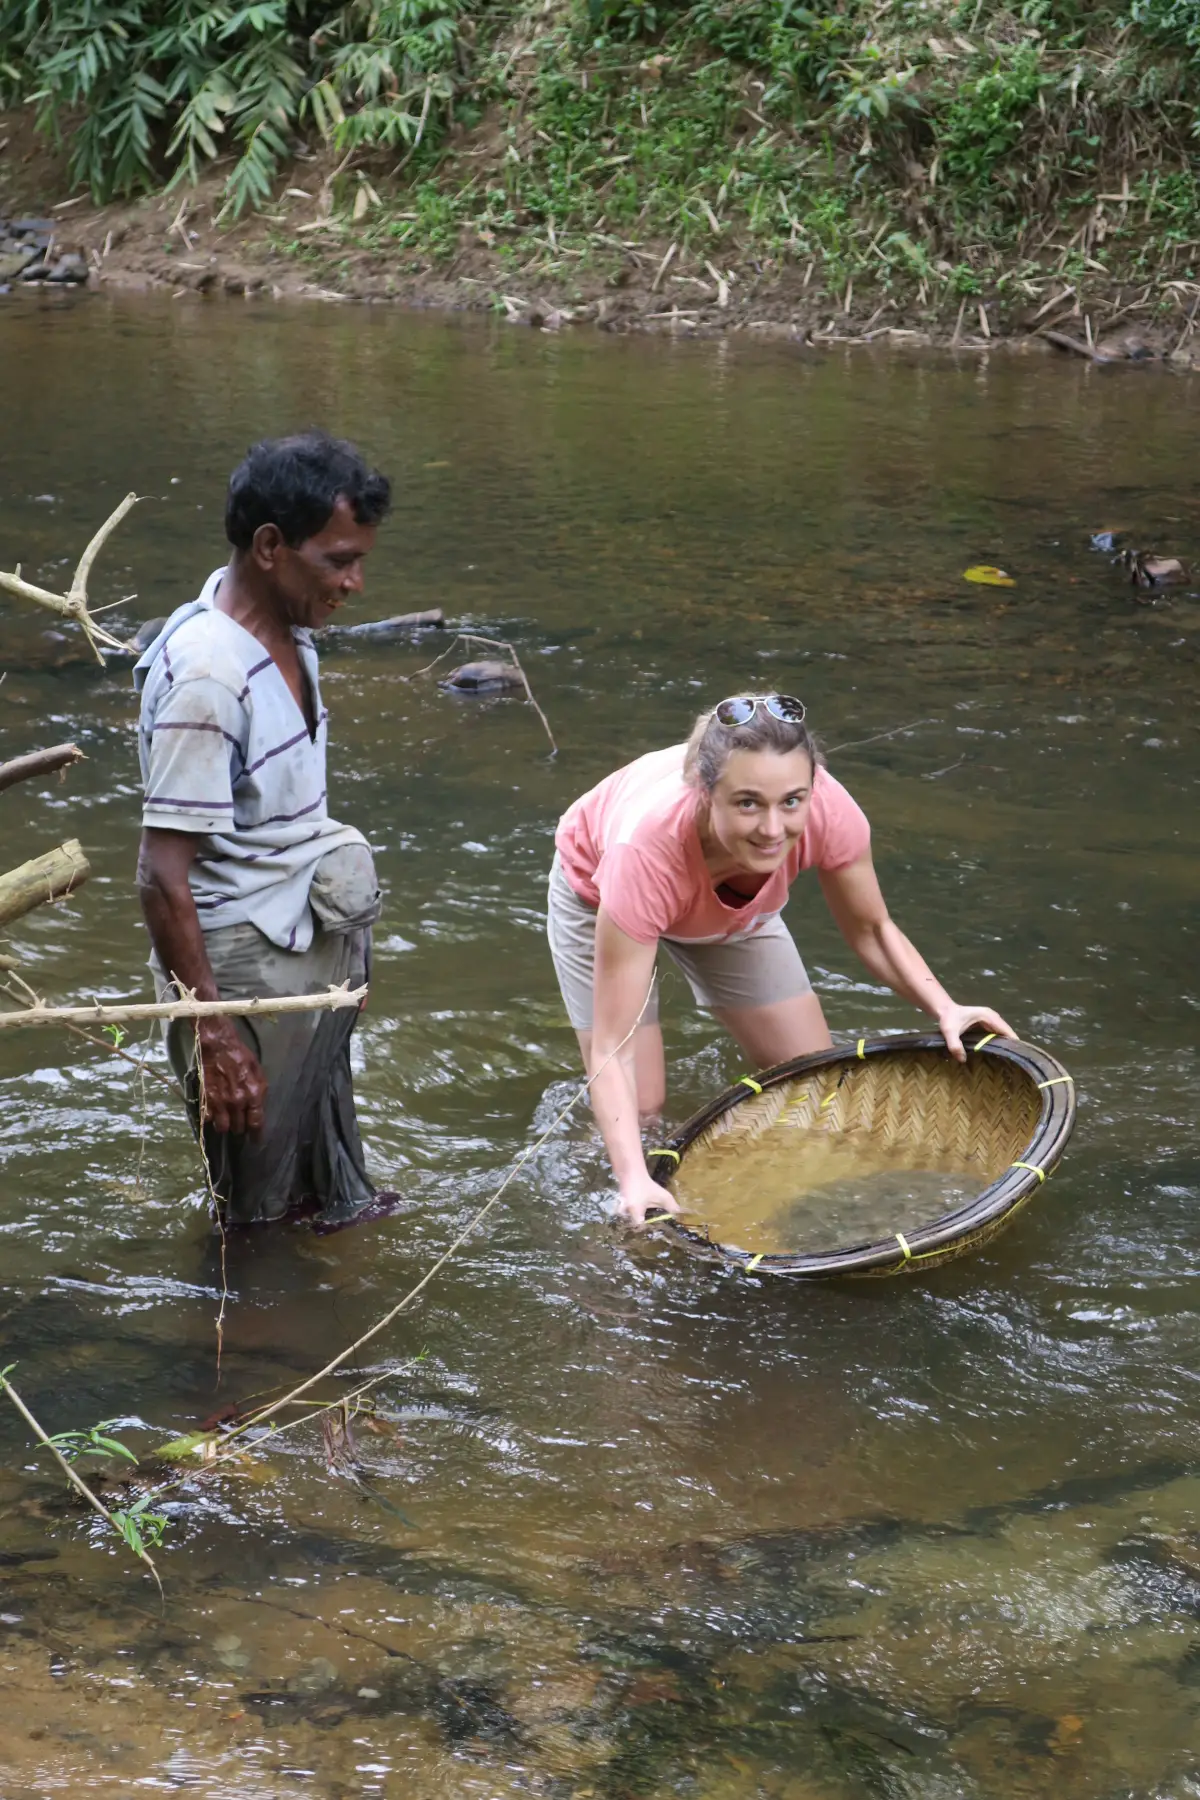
<point>932,150</point>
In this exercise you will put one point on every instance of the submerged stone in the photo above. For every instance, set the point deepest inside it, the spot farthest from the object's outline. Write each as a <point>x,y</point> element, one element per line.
<point>483,678</point>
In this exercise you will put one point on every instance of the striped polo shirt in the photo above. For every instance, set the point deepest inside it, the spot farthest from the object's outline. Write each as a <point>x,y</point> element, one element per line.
<point>226,755</point>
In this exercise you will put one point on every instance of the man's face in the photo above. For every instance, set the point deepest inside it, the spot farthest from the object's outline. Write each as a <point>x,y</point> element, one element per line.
<point>312,580</point>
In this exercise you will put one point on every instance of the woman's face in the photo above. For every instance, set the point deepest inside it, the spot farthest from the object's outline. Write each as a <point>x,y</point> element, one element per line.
<point>759,807</point>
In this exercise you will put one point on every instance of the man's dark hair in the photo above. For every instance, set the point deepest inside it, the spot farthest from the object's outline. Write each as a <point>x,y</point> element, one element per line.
<point>295,483</point>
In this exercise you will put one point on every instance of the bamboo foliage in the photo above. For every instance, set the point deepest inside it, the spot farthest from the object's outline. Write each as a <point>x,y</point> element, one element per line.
<point>211,76</point>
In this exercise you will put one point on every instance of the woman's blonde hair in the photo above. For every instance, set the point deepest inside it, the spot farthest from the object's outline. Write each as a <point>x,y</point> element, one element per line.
<point>712,744</point>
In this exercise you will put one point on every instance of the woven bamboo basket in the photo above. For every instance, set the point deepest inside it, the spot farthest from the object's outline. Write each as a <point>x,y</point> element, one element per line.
<point>1003,1117</point>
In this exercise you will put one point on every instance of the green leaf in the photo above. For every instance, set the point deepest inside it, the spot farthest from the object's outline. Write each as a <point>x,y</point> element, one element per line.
<point>113,1446</point>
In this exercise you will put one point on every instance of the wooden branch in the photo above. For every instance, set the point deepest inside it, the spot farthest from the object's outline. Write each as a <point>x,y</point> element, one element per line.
<point>74,605</point>
<point>49,877</point>
<point>11,966</point>
<point>332,1000</point>
<point>38,762</point>
<point>79,580</point>
<point>1062,341</point>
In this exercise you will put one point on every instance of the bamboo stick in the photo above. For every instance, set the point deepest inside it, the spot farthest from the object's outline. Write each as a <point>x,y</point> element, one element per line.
<point>38,762</point>
<point>49,877</point>
<point>334,999</point>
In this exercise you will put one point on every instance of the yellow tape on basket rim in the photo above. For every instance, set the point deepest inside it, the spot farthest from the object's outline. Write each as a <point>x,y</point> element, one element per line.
<point>749,1081</point>
<point>1032,1167</point>
<point>904,1245</point>
<point>1055,1079</point>
<point>754,1261</point>
<point>862,1049</point>
<point>664,1150</point>
<point>982,1041</point>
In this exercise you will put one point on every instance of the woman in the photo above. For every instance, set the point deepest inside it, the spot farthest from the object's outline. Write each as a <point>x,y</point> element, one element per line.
<point>695,848</point>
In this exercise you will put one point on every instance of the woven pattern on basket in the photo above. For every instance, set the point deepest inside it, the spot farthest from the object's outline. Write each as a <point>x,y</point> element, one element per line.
<point>922,1110</point>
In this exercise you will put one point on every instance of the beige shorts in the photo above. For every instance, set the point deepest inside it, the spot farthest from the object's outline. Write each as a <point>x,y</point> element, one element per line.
<point>751,971</point>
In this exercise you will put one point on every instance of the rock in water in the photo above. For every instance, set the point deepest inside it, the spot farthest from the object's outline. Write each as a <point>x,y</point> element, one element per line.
<point>13,260</point>
<point>484,678</point>
<point>70,270</point>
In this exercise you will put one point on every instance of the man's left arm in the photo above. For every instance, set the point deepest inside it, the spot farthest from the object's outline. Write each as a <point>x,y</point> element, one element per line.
<point>235,1088</point>
<point>196,730</point>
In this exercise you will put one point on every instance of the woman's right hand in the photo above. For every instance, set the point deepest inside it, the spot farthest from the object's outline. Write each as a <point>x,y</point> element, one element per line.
<point>641,1197</point>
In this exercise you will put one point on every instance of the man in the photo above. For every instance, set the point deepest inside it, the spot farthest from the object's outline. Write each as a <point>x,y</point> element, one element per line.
<point>247,886</point>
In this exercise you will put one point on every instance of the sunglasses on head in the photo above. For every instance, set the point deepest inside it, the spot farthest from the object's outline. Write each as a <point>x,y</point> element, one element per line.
<point>741,708</point>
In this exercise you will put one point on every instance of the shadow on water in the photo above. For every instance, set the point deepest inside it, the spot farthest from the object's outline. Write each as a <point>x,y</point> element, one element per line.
<point>663,1530</point>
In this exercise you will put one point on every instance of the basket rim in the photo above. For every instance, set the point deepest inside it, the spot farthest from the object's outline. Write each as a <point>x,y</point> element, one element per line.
<point>889,1255</point>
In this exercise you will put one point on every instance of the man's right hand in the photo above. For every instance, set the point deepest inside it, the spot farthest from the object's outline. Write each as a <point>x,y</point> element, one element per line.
<point>234,1090</point>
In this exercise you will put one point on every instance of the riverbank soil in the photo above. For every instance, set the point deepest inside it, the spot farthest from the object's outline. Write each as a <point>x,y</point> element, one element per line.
<point>979,175</point>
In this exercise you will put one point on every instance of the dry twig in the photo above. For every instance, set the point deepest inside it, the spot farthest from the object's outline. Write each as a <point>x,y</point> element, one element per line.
<point>897,731</point>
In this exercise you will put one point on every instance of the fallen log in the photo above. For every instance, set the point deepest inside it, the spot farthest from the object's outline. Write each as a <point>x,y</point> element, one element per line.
<point>1062,341</point>
<point>332,1000</point>
<point>38,762</point>
<point>401,626</point>
<point>49,877</point>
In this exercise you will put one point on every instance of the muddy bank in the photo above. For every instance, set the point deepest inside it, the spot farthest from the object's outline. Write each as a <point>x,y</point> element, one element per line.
<point>656,289</point>
<point>173,243</point>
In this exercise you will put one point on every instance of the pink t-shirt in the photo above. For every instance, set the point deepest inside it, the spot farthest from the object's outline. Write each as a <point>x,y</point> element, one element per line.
<point>631,845</point>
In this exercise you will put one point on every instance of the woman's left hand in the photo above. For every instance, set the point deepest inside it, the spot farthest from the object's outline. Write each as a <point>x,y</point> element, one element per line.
<point>954,1020</point>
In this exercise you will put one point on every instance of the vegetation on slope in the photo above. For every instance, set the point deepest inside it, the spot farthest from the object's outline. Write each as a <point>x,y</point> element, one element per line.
<point>935,148</point>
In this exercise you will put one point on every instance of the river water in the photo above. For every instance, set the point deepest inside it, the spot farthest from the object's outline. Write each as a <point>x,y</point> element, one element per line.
<point>635,1526</point>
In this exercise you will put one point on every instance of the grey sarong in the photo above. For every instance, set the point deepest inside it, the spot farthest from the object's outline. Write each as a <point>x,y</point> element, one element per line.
<point>309,1149</point>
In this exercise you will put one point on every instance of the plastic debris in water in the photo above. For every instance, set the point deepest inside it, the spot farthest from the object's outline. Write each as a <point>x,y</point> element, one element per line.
<point>986,576</point>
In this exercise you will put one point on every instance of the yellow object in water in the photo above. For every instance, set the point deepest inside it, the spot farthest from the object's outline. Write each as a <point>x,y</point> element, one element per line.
<point>986,576</point>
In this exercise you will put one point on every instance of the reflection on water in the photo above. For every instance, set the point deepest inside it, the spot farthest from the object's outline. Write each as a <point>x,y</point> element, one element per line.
<point>671,1531</point>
